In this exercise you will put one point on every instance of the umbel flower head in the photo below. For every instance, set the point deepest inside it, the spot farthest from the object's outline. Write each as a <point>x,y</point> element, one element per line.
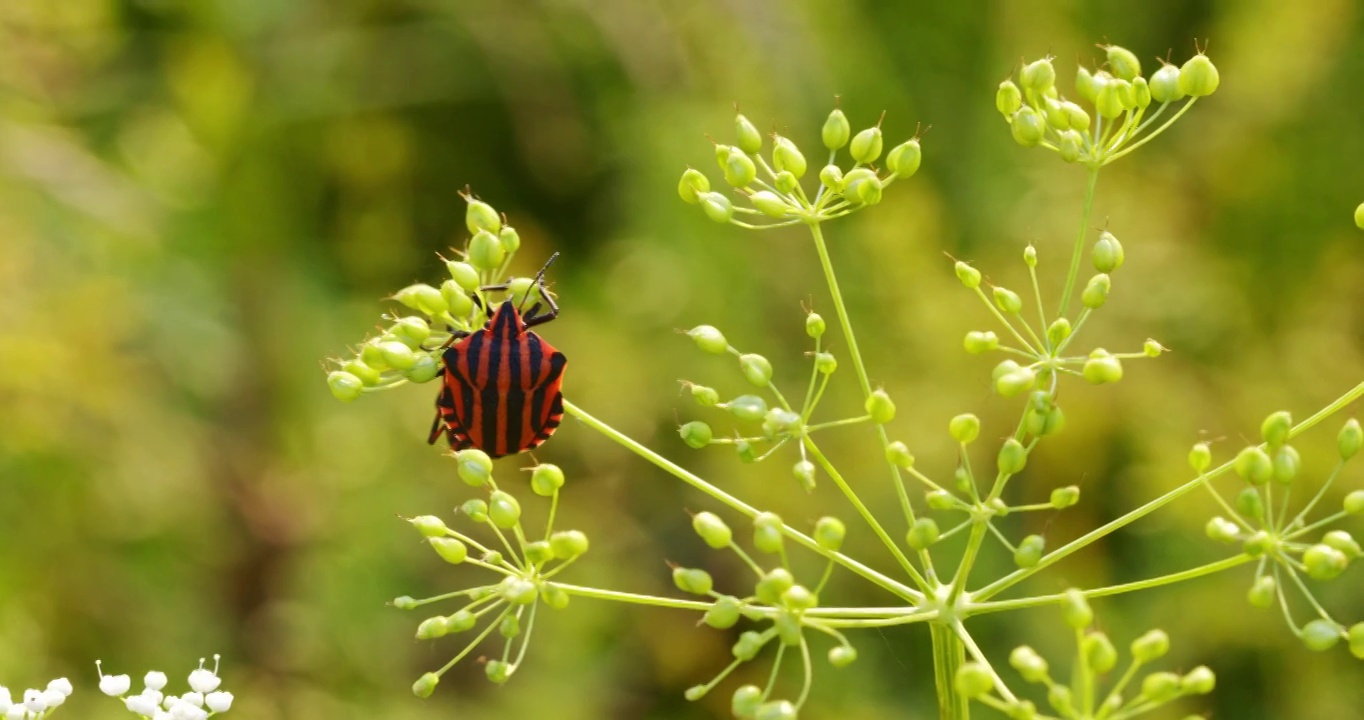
<point>33,703</point>
<point>204,699</point>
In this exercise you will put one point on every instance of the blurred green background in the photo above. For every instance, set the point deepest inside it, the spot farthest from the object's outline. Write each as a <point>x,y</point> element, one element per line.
<point>199,202</point>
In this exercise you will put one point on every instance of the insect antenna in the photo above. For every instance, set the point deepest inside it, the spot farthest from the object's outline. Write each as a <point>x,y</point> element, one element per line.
<point>539,281</point>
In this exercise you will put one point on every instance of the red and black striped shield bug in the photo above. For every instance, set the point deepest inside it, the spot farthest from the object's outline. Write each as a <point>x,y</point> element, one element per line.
<point>500,387</point>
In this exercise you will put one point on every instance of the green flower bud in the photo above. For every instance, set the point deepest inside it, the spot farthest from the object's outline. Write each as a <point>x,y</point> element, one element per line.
<point>460,621</point>
<point>1250,503</point>
<point>429,526</point>
<point>880,407</point>
<point>1101,367</point>
<point>1029,551</point>
<point>481,216</point>
<point>1275,428</point>
<point>1200,457</point>
<point>497,671</point>
<point>1028,127</point>
<point>1008,300</point>
<point>546,479</point>
<point>767,528</point>
<point>940,500</point>
<point>397,355</point>
<point>449,549</point>
<point>690,187</point>
<point>1254,466</point>
<point>867,191</point>
<point>695,434</point>
<point>973,680</point>
<point>1356,637</point>
<point>503,509</point>
<point>1070,146</point>
<point>978,342</point>
<point>1321,634</point>
<point>866,145</point>
<point>964,428</point>
<point>344,386</point>
<point>518,591</point>
<point>424,369</point>
<point>799,597</point>
<point>1076,117</point>
<point>750,140</point>
<point>723,614</point>
<point>750,408</point>
<point>1286,464</point>
<point>712,529</point>
<point>1222,529</point>
<point>406,602</point>
<point>1045,422</point>
<point>1015,383</point>
<point>923,533</point>
<point>1350,439</point>
<point>704,396</point>
<point>1127,94</point>
<point>1151,646</point>
<point>739,169</point>
<point>1107,253</point>
<point>1123,63</point>
<point>1342,541</point>
<point>1061,699</point>
<point>769,203</point>
<point>829,532</point>
<point>776,710</point>
<point>1141,93</point>
<point>770,587</point>
<point>510,627</point>
<point>464,275</point>
<point>756,369</point>
<point>411,331</point>
<point>969,276</point>
<point>1013,457</point>
<point>554,596</point>
<point>695,692</point>
<point>814,325</point>
<point>1008,99</point>
<point>367,375</point>
<point>1029,664</point>
<point>898,454</point>
<point>786,182</point>
<point>425,685</point>
<point>836,130</point>
<point>475,467</point>
<point>842,655</point>
<point>1037,77</point>
<point>1064,497</point>
<point>825,363</point>
<point>1161,687</point>
<point>568,544</point>
<point>476,509</point>
<point>1055,115</point>
<point>831,177</point>
<point>786,157</point>
<point>1108,100</point>
<point>1258,543</point>
<point>1324,562</point>
<point>691,580</point>
<point>1058,331</point>
<point>709,339</point>
<point>722,154</point>
<point>1263,592</point>
<point>717,207</point>
<point>904,159</point>
<point>510,239</point>
<point>1075,610</point>
<point>1085,85</point>
<point>1165,86</point>
<point>485,251</point>
<point>745,701</point>
<point>1198,77</point>
<point>455,297</point>
<point>1096,292</point>
<point>1354,503</point>
<point>539,552</point>
<point>1099,652</point>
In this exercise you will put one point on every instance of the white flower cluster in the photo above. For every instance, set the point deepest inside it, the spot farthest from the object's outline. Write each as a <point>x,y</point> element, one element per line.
<point>35,703</point>
<point>203,701</point>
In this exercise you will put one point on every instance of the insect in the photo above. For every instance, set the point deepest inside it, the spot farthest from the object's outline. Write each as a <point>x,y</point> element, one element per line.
<point>500,387</point>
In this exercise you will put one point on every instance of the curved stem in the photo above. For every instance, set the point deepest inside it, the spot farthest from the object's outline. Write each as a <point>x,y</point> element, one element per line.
<point>1079,249</point>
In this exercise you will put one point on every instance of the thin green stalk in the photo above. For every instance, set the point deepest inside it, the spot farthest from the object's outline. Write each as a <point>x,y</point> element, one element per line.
<point>892,586</point>
<point>1170,579</point>
<point>949,653</point>
<point>1079,249</point>
<point>634,598</point>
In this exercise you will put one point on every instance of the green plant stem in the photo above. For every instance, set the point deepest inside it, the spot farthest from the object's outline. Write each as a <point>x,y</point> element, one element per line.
<point>893,586</point>
<point>1183,575</point>
<point>1079,249</point>
<point>865,381</point>
<point>949,653</point>
<point>1058,554</point>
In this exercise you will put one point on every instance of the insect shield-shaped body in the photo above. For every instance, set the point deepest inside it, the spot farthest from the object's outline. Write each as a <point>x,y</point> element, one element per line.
<point>501,385</point>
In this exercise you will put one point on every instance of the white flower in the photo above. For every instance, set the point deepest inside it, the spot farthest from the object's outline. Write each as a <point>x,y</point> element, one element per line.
<point>5,700</point>
<point>61,685</point>
<point>53,698</point>
<point>219,701</point>
<point>144,704</point>
<point>204,681</point>
<point>155,680</point>
<point>113,685</point>
<point>162,715</point>
<point>33,700</point>
<point>168,701</point>
<point>185,711</point>
<point>193,698</point>
<point>16,712</point>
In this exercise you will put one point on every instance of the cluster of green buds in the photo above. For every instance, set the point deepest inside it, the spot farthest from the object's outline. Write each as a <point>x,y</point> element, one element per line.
<point>408,348</point>
<point>1095,656</point>
<point>1118,96</point>
<point>787,608</point>
<point>523,565</point>
<point>774,189</point>
<point>965,496</point>
<point>1288,544</point>
<point>779,423</point>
